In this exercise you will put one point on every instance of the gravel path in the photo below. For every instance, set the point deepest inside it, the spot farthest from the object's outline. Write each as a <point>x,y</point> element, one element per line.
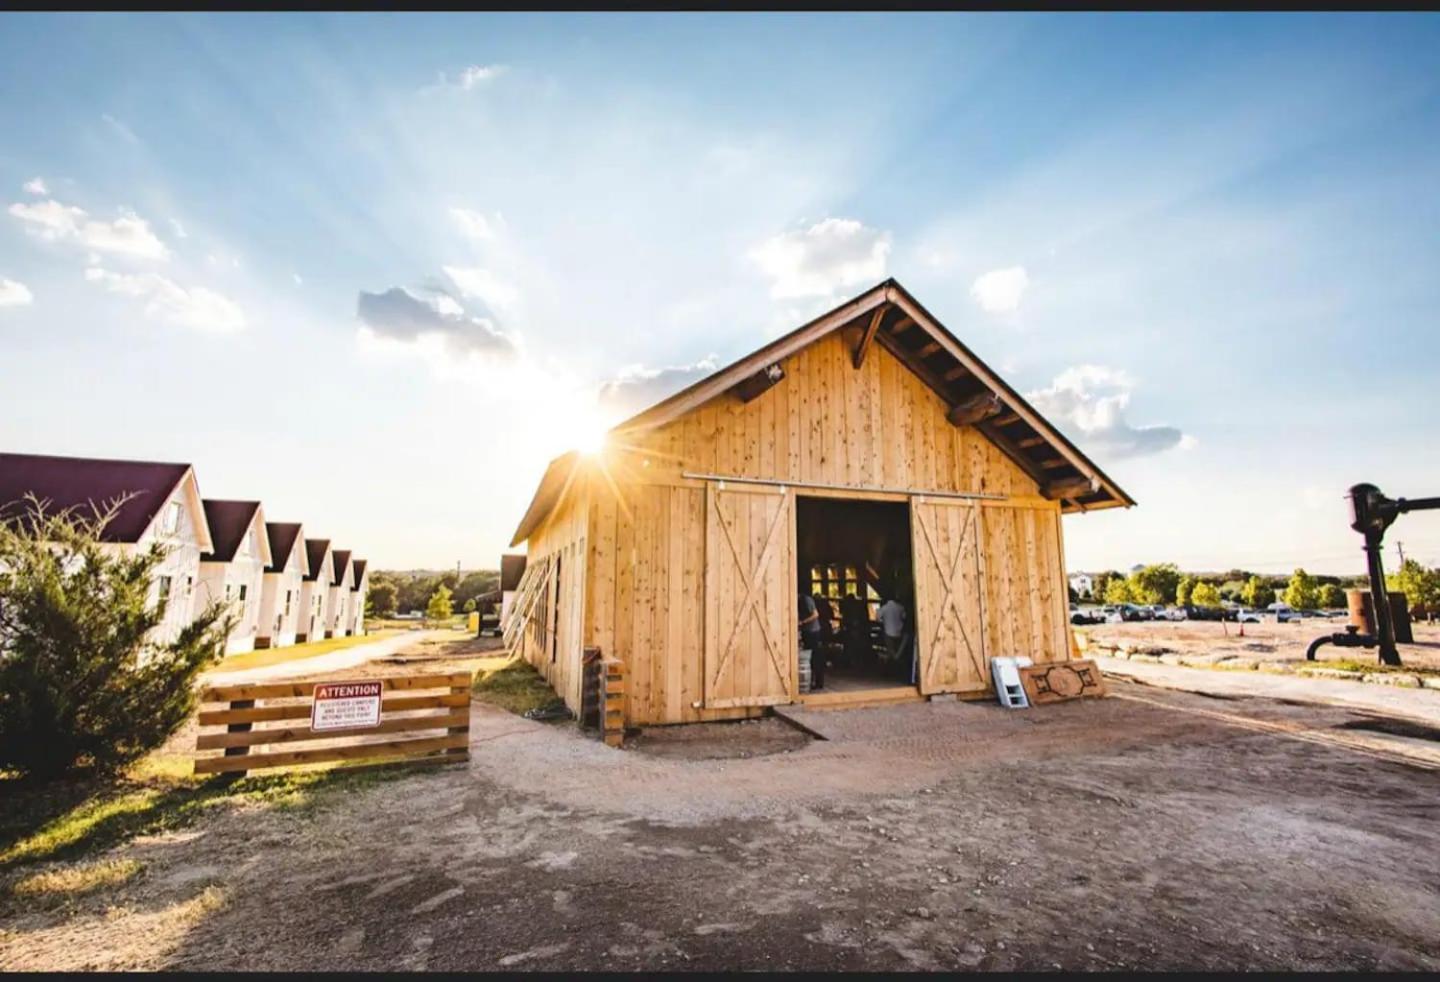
<point>1154,829</point>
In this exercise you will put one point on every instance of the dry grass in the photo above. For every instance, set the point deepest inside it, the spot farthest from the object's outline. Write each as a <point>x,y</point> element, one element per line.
<point>295,652</point>
<point>53,887</point>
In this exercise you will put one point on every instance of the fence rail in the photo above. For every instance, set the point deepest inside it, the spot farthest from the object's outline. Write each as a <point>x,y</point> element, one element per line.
<point>433,727</point>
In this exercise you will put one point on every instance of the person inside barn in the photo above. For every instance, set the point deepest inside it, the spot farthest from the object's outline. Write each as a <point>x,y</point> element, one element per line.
<point>827,617</point>
<point>810,638</point>
<point>892,622</point>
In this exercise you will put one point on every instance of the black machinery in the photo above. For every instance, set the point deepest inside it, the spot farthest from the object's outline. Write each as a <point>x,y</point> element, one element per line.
<point>1371,513</point>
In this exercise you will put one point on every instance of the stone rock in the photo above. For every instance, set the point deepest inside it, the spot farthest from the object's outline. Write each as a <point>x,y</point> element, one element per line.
<point>1169,659</point>
<point>1430,681</point>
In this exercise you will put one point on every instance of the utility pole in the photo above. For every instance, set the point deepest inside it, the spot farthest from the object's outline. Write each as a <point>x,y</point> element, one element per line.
<point>1401,546</point>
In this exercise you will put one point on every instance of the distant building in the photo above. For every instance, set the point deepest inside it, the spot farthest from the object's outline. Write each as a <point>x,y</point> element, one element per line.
<point>358,591</point>
<point>1082,583</point>
<point>337,607</point>
<point>161,504</point>
<point>314,591</point>
<point>280,595</point>
<point>233,571</point>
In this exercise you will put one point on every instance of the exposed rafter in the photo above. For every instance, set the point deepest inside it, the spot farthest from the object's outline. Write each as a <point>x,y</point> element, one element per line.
<point>761,381</point>
<point>929,349</point>
<point>869,335</point>
<point>1070,487</point>
<point>958,372</point>
<point>976,408</point>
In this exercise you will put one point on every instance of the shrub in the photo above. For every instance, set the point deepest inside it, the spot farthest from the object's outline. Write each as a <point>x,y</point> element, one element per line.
<point>82,682</point>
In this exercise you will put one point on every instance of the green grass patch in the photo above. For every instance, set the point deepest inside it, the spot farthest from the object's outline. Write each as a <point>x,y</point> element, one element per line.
<point>516,687</point>
<point>81,816</point>
<point>295,652</point>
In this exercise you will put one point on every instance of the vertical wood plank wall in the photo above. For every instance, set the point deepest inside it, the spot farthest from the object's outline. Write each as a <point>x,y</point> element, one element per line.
<point>826,422</point>
<point>563,534</point>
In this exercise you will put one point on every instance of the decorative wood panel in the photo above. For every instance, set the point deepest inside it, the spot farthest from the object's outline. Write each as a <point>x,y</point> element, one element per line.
<point>750,598</point>
<point>949,569</point>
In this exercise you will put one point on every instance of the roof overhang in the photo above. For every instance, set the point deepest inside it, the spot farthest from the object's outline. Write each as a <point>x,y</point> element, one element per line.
<point>888,316</point>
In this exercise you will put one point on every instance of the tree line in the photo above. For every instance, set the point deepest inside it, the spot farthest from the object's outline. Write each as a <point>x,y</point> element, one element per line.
<point>1164,583</point>
<point>400,592</point>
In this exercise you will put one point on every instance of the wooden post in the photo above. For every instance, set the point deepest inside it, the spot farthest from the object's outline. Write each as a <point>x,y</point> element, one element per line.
<point>460,754</point>
<point>239,728</point>
<point>612,724</point>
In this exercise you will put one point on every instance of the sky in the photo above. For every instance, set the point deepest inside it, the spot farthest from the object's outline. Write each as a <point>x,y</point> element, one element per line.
<point>376,270</point>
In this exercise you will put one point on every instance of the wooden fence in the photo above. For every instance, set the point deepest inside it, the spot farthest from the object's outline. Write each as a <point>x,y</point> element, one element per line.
<point>405,707</point>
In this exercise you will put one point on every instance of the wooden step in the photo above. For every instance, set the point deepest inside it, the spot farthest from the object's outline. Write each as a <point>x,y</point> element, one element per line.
<point>861,697</point>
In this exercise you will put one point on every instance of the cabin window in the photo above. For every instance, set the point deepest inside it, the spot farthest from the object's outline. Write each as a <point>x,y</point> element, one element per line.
<point>164,587</point>
<point>171,523</point>
<point>242,593</point>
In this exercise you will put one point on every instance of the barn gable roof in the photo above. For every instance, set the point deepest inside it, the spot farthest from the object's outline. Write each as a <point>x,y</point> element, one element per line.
<point>888,316</point>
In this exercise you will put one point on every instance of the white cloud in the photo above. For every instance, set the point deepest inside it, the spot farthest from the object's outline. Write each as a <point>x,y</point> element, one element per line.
<point>823,259</point>
<point>468,77</point>
<point>399,315</point>
<point>474,75</point>
<point>638,387</point>
<point>484,285</point>
<point>476,225</point>
<point>14,293</point>
<point>194,307</point>
<point>178,229</point>
<point>1000,290</point>
<point>128,235</point>
<point>1092,400</point>
<point>36,185</point>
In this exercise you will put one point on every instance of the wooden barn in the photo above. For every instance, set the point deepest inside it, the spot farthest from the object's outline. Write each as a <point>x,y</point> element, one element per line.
<point>867,455</point>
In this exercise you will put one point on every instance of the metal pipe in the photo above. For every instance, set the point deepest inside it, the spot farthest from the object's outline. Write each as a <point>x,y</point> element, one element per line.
<point>1380,599</point>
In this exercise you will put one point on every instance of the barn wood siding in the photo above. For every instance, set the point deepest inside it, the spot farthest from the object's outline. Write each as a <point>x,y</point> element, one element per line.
<point>825,423</point>
<point>563,534</point>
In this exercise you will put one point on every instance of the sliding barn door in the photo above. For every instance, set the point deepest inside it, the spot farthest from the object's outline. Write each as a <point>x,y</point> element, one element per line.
<point>949,588</point>
<point>750,596</point>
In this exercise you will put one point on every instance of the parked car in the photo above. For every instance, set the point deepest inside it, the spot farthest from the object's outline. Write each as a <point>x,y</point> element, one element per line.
<point>1110,614</point>
<point>1176,613</point>
<point>1247,616</point>
<point>1283,612</point>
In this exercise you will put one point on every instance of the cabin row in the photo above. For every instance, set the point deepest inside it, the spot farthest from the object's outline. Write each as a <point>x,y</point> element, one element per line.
<point>867,459</point>
<point>282,587</point>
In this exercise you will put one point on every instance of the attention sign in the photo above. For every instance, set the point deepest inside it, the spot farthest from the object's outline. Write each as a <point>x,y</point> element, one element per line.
<point>346,706</point>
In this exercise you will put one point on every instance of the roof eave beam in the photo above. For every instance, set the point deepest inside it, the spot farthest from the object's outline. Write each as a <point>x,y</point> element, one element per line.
<point>864,346</point>
<point>975,409</point>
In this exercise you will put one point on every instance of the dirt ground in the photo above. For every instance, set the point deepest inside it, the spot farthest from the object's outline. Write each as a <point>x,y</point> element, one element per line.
<point>1267,641</point>
<point>1151,829</point>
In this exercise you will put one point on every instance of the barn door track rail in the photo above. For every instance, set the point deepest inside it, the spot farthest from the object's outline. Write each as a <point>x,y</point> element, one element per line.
<point>776,483</point>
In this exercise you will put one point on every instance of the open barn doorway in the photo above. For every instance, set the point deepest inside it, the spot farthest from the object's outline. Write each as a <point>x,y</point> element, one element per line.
<point>852,556</point>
